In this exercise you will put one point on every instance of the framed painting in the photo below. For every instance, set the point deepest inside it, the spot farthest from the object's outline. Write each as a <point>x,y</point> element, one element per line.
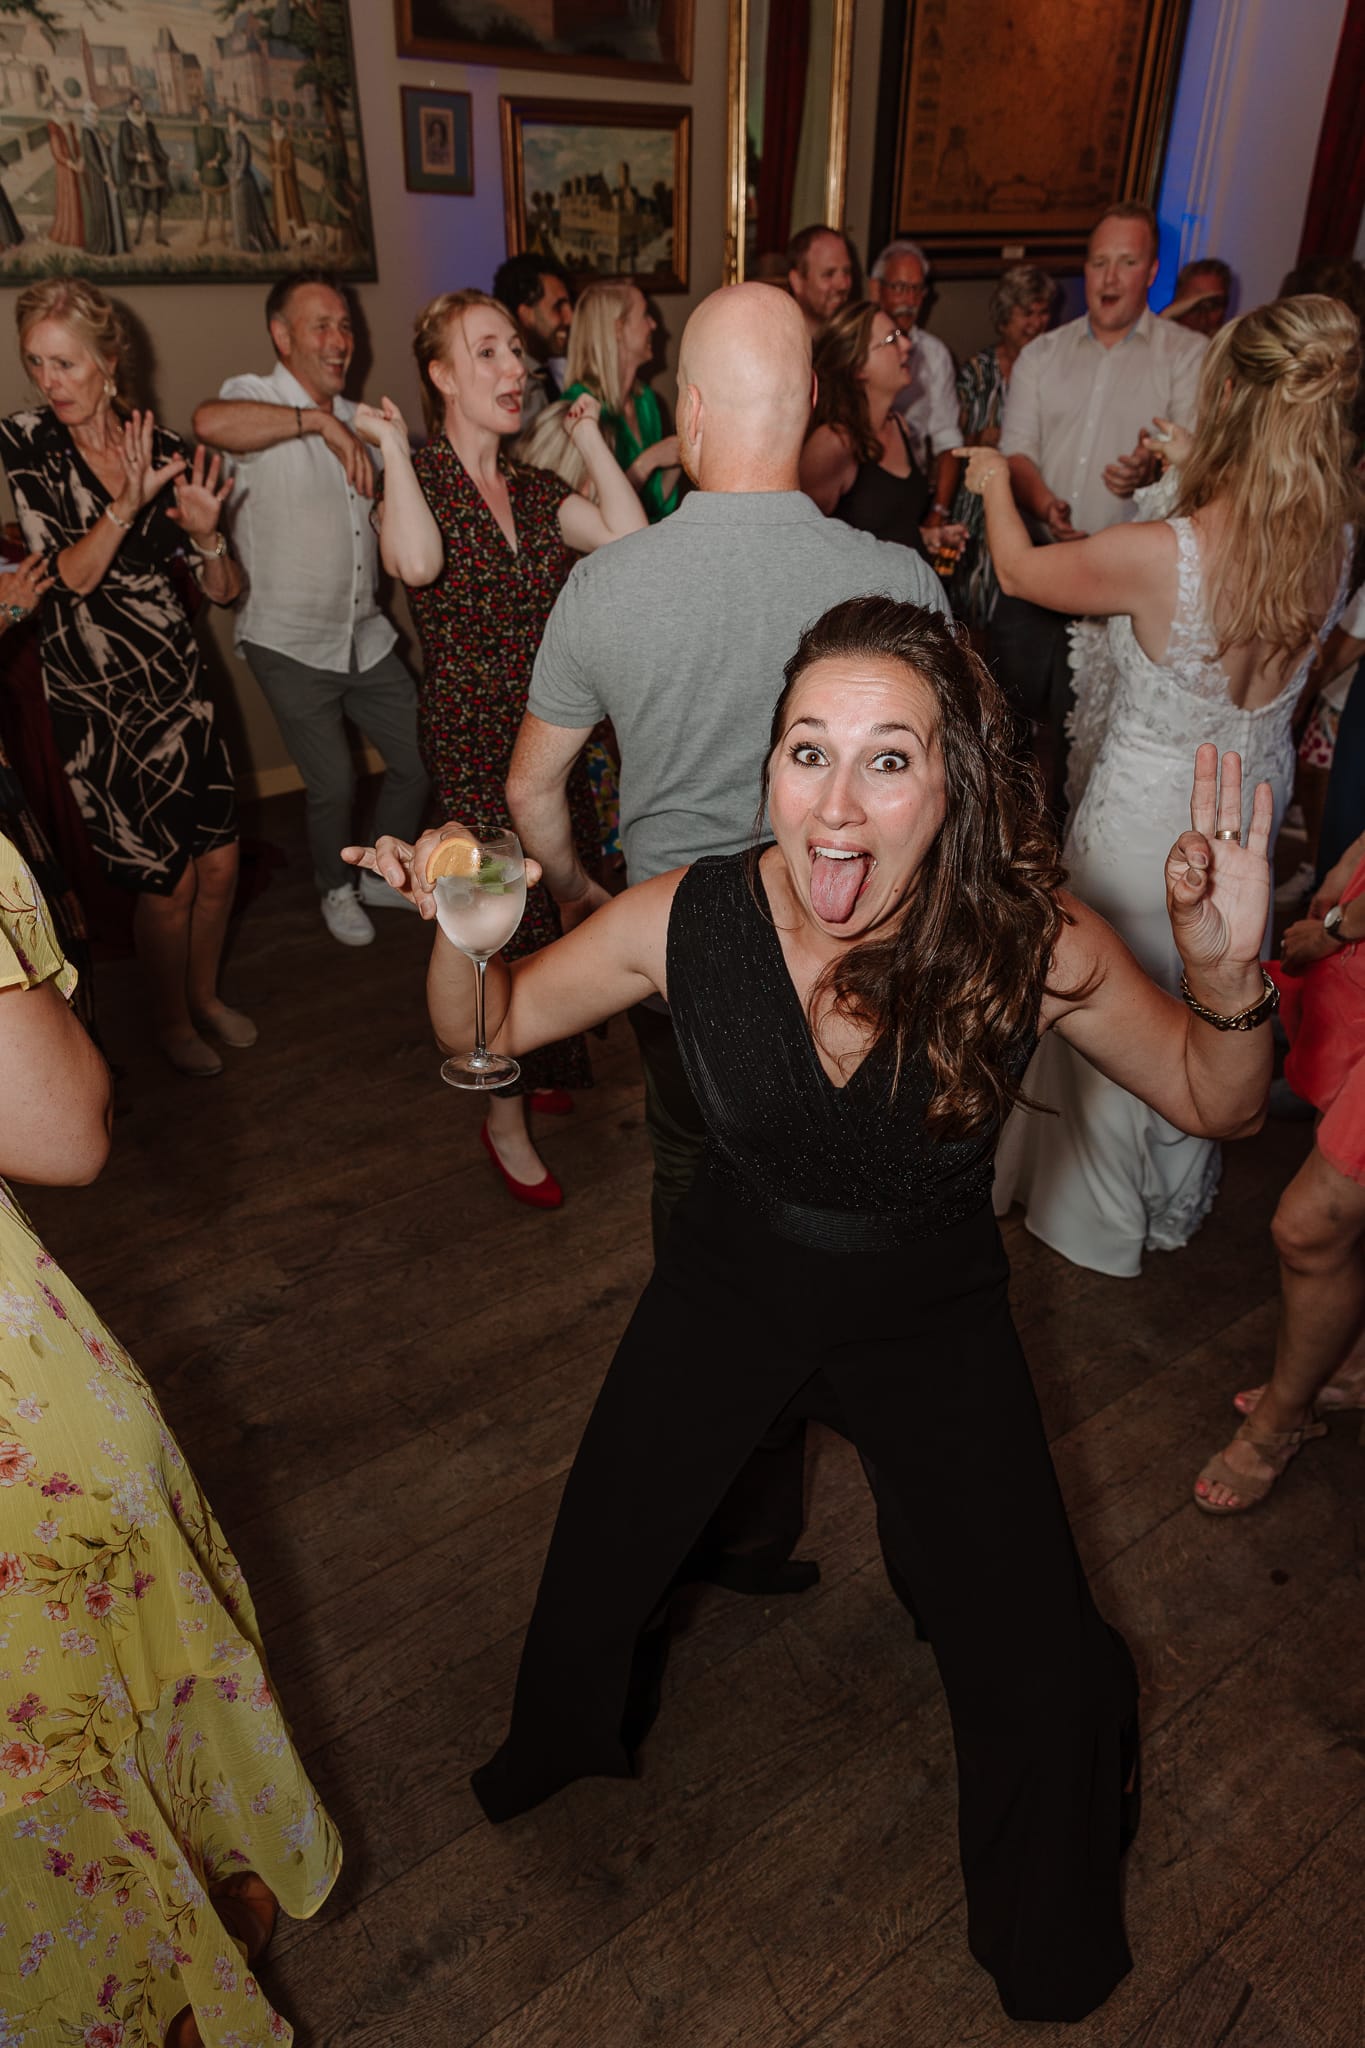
<point>611,38</point>
<point>599,190</point>
<point>179,141</point>
<point>438,142</point>
<point>1010,144</point>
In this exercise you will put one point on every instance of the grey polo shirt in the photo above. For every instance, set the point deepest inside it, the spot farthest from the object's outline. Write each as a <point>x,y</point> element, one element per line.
<point>679,635</point>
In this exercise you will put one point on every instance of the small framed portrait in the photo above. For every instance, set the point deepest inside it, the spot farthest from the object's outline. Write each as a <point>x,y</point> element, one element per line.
<point>438,143</point>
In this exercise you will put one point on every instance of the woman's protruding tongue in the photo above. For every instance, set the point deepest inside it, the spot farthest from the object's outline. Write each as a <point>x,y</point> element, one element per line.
<point>834,885</point>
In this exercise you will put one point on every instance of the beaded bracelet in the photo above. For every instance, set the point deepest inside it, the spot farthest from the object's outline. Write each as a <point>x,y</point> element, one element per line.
<point>1259,1012</point>
<point>124,525</point>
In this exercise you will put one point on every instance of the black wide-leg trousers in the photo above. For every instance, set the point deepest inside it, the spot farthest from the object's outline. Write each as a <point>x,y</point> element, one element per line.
<point>911,1354</point>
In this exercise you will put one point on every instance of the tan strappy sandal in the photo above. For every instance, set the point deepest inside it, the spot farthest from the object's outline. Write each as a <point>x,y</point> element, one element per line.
<point>1272,1445</point>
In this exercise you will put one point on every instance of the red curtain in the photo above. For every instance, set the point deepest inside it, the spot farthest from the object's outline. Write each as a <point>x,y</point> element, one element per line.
<point>1336,198</point>
<point>784,95</point>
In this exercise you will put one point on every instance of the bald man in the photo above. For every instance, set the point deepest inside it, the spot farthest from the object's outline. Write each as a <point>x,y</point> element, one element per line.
<point>679,634</point>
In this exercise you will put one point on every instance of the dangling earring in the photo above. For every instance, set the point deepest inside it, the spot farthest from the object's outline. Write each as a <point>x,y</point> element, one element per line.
<point>109,387</point>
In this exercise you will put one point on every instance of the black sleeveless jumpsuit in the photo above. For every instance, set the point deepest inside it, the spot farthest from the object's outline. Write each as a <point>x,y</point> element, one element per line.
<point>832,1260</point>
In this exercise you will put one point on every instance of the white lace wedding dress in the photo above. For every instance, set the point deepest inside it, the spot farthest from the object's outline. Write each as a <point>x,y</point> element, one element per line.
<point>1106,1176</point>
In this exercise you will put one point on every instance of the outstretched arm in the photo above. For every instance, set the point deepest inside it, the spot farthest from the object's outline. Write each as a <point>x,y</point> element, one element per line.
<point>608,963</point>
<point>1209,1082</point>
<point>1124,569</point>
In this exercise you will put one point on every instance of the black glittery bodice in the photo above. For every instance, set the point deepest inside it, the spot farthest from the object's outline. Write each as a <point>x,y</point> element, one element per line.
<point>839,1167</point>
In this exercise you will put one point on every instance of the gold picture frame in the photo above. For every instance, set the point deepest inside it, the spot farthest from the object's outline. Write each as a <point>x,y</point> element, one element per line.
<point>741,58</point>
<point>601,189</point>
<point>1010,145</point>
<point>423,30</point>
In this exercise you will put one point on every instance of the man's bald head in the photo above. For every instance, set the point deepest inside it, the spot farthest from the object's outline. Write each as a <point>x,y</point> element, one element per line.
<point>744,389</point>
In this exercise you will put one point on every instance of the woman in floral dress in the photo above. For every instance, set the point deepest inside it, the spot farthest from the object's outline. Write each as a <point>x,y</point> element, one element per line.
<point>152,1807</point>
<point>485,545</point>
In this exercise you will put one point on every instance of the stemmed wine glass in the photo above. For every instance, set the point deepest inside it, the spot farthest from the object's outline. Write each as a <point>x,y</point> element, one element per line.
<point>478,910</point>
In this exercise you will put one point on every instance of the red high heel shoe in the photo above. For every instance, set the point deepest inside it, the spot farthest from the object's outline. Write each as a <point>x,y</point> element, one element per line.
<point>541,1194</point>
<point>550,1101</point>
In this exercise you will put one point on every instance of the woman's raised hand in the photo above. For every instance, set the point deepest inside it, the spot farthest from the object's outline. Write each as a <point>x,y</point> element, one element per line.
<point>143,478</point>
<point>199,497</point>
<point>982,465</point>
<point>1172,443</point>
<point>384,427</point>
<point>404,867</point>
<point>584,407</point>
<point>1217,889</point>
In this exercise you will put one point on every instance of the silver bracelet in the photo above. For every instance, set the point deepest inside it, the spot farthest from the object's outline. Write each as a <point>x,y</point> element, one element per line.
<point>124,525</point>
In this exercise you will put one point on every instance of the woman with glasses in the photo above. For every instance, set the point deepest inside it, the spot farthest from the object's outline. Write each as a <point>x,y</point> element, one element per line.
<point>858,464</point>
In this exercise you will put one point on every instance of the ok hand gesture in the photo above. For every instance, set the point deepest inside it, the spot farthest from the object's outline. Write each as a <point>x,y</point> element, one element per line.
<point>1217,889</point>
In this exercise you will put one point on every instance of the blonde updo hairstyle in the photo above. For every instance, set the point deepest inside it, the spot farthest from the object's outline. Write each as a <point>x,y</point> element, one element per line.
<point>1274,447</point>
<point>431,339</point>
<point>94,319</point>
<point>594,351</point>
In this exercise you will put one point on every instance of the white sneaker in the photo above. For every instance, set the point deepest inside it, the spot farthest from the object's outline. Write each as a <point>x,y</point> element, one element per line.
<point>375,891</point>
<point>344,918</point>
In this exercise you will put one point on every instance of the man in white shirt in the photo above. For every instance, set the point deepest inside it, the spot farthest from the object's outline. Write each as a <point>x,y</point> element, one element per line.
<point>899,284</point>
<point>309,624</point>
<point>1079,399</point>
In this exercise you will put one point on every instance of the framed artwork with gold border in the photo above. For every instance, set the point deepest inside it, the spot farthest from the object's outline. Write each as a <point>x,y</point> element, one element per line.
<point>599,188</point>
<point>604,38</point>
<point>1019,126</point>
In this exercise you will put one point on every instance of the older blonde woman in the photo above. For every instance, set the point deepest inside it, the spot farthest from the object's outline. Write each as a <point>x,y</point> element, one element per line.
<point>108,498</point>
<point>1213,618</point>
<point>484,545</point>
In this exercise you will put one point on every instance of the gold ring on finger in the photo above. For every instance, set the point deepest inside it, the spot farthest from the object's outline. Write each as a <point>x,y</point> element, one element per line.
<point>1227,835</point>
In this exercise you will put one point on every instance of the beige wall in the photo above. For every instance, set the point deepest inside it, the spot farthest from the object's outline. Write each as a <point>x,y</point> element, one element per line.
<point>199,335</point>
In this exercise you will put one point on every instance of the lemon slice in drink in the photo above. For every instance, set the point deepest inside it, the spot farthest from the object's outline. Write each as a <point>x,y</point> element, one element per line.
<point>454,856</point>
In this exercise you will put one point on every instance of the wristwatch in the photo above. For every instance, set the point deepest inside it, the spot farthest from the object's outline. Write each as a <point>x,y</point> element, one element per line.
<point>1331,924</point>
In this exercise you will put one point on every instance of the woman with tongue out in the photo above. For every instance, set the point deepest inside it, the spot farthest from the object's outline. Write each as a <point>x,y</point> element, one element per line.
<point>484,546</point>
<point>856,1002</point>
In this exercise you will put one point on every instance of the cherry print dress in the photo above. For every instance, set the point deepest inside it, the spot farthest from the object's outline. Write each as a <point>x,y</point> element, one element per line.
<point>480,624</point>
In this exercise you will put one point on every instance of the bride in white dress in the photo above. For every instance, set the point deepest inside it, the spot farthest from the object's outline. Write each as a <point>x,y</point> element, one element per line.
<point>1211,618</point>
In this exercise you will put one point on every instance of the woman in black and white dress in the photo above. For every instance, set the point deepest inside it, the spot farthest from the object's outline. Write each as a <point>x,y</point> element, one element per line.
<point>108,498</point>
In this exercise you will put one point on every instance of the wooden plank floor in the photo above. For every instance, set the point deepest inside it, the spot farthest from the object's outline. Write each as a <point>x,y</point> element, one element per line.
<point>379,1367</point>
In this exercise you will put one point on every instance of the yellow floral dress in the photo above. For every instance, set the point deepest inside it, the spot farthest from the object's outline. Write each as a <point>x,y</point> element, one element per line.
<point>142,1755</point>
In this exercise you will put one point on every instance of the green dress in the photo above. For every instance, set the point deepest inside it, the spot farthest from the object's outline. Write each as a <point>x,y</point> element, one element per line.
<point>142,1754</point>
<point>626,448</point>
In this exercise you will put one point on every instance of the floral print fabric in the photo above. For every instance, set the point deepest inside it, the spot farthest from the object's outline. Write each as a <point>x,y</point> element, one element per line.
<point>142,1754</point>
<point>480,625</point>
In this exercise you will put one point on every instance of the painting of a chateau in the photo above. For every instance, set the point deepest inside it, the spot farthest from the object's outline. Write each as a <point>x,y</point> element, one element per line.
<point>160,141</point>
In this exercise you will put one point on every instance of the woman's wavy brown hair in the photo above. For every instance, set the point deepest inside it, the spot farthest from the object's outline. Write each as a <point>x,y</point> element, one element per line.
<point>1274,446</point>
<point>962,976</point>
<point>840,398</point>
